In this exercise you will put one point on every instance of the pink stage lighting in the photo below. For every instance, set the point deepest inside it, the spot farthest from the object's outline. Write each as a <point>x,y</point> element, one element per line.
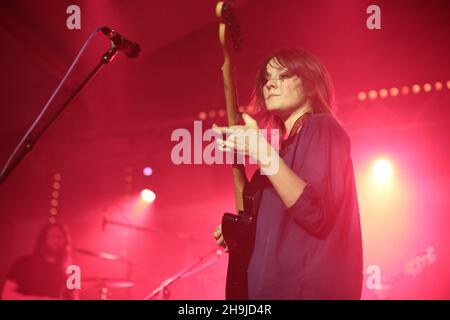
<point>382,170</point>
<point>148,196</point>
<point>147,171</point>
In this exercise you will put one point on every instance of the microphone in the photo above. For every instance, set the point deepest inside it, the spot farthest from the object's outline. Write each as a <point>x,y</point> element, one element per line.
<point>130,48</point>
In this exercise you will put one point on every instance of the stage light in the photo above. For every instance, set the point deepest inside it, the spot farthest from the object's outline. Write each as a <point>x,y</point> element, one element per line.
<point>383,93</point>
<point>382,170</point>
<point>55,195</point>
<point>222,113</point>
<point>128,179</point>
<point>212,113</point>
<point>362,96</point>
<point>416,88</point>
<point>405,90</point>
<point>394,92</point>
<point>373,94</point>
<point>148,195</point>
<point>250,108</point>
<point>202,115</point>
<point>147,171</point>
<point>448,84</point>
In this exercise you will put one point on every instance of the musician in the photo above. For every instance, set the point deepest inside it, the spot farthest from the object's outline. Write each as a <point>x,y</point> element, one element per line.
<point>308,237</point>
<point>42,275</point>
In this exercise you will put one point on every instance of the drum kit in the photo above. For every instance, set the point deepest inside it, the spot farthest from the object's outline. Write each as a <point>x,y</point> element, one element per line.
<point>103,285</point>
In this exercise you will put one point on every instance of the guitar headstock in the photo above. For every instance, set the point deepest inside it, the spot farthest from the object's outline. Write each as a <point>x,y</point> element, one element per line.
<point>228,26</point>
<point>416,265</point>
<point>412,268</point>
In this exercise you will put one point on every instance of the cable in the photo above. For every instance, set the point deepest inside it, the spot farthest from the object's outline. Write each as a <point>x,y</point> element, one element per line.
<point>50,100</point>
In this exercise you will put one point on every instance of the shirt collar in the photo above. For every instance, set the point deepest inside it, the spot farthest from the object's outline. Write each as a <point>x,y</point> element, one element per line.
<point>294,131</point>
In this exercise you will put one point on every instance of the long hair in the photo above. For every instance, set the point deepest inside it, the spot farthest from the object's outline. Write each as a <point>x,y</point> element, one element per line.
<point>316,81</point>
<point>41,249</point>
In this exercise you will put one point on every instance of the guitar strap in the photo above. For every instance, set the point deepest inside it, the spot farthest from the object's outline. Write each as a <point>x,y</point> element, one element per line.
<point>295,133</point>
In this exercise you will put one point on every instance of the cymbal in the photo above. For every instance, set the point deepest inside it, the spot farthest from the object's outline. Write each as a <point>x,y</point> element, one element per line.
<point>109,282</point>
<point>102,255</point>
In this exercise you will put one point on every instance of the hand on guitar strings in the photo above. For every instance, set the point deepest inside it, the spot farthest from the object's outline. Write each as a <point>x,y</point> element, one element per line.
<point>245,140</point>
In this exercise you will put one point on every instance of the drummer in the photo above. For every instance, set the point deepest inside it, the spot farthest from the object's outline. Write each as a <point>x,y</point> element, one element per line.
<point>42,275</point>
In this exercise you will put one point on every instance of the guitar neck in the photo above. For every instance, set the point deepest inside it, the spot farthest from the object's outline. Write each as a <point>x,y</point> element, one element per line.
<point>228,29</point>
<point>239,177</point>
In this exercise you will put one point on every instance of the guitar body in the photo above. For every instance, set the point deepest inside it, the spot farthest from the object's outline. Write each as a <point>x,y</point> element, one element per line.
<point>237,231</point>
<point>239,234</point>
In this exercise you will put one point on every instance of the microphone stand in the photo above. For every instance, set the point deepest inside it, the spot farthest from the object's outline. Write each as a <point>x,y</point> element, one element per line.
<point>106,221</point>
<point>32,137</point>
<point>163,288</point>
<point>180,236</point>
